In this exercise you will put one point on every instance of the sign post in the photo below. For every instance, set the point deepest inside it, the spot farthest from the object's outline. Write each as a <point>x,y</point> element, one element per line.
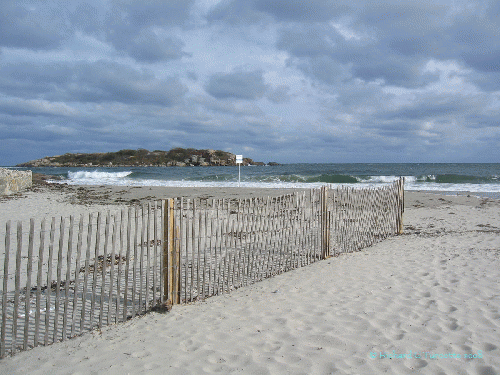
<point>239,160</point>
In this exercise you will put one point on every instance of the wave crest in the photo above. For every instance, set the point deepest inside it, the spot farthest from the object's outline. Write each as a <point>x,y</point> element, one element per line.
<point>96,177</point>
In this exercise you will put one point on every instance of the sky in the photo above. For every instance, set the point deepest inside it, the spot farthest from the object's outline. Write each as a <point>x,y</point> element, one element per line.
<point>316,81</point>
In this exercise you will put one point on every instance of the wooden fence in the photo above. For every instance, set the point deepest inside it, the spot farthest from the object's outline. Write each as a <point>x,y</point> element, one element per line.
<point>72,275</point>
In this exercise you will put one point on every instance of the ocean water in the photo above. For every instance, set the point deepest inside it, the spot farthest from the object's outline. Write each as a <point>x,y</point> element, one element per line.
<point>475,178</point>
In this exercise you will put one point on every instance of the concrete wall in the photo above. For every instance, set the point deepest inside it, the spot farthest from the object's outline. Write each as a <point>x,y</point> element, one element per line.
<point>13,181</point>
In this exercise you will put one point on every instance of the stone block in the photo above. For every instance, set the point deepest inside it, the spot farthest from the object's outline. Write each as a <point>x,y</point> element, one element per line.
<point>12,181</point>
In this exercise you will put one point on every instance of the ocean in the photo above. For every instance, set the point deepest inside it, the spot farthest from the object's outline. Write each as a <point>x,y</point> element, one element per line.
<point>451,178</point>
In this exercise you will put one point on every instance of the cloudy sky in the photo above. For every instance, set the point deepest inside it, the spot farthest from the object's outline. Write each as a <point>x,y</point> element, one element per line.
<point>274,80</point>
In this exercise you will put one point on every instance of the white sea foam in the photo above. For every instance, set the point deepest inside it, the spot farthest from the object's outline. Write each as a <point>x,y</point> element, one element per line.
<point>97,178</point>
<point>123,179</point>
<point>382,179</point>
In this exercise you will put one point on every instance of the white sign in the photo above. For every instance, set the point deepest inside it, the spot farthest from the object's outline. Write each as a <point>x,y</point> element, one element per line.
<point>239,161</point>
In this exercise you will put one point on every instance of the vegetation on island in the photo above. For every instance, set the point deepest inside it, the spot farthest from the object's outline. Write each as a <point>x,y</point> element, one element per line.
<point>179,157</point>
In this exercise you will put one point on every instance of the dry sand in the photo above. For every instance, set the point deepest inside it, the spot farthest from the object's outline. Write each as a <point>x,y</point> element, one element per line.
<point>419,303</point>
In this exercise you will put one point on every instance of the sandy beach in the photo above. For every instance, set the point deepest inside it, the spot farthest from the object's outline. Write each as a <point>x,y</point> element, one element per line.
<point>425,302</point>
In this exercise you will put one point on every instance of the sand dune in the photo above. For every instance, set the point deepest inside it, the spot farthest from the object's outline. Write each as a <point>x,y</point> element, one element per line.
<point>426,302</point>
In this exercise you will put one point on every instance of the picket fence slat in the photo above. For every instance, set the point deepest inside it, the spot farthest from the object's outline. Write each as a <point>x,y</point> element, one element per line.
<point>39,283</point>
<point>68,276</point>
<point>4,289</point>
<point>29,269</point>
<point>77,273</point>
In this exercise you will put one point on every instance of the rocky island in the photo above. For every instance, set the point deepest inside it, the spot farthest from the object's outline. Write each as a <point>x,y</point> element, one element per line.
<point>176,157</point>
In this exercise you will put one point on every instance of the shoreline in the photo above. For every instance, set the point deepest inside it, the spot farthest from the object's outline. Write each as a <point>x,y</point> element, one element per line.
<point>49,199</point>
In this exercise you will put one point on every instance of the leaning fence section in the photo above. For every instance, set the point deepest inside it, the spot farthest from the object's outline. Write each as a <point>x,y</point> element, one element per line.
<point>222,245</point>
<point>64,276</point>
<point>361,217</point>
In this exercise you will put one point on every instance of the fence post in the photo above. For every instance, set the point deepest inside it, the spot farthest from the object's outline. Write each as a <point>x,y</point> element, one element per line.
<point>171,258</point>
<point>401,203</point>
<point>325,225</point>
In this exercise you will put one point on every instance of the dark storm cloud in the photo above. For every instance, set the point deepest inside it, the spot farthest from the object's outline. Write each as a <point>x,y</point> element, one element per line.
<point>33,79</point>
<point>475,40</point>
<point>324,69</point>
<point>19,107</point>
<point>355,94</point>
<point>34,25</point>
<point>408,45</point>
<point>478,120</point>
<point>89,18</point>
<point>102,81</point>
<point>389,125</point>
<point>427,111</point>
<point>147,46</point>
<point>192,127</point>
<point>279,94</point>
<point>309,41</point>
<point>401,37</point>
<point>138,14</point>
<point>254,11</point>
<point>439,30</point>
<point>327,56</point>
<point>130,27</point>
<point>238,85</point>
<point>299,10</point>
<point>235,12</point>
<point>487,81</point>
<point>314,51</point>
<point>126,24</point>
<point>487,62</point>
<point>392,70</point>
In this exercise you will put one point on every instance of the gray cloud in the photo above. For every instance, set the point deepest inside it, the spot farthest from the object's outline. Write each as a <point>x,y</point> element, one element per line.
<point>325,69</point>
<point>101,81</point>
<point>422,111</point>
<point>150,47</point>
<point>279,94</point>
<point>89,18</point>
<point>32,79</point>
<point>36,26</point>
<point>235,12</point>
<point>20,107</point>
<point>487,81</point>
<point>255,11</point>
<point>305,41</point>
<point>298,10</point>
<point>130,24</point>
<point>325,55</point>
<point>138,14</point>
<point>238,85</point>
<point>486,62</point>
<point>104,81</point>
<point>478,120</point>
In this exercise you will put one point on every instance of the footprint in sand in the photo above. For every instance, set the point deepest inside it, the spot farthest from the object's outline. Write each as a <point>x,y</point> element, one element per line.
<point>486,370</point>
<point>487,347</point>
<point>453,326</point>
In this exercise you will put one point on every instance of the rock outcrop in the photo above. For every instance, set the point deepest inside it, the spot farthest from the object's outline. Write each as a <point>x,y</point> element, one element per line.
<point>12,181</point>
<point>177,157</point>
